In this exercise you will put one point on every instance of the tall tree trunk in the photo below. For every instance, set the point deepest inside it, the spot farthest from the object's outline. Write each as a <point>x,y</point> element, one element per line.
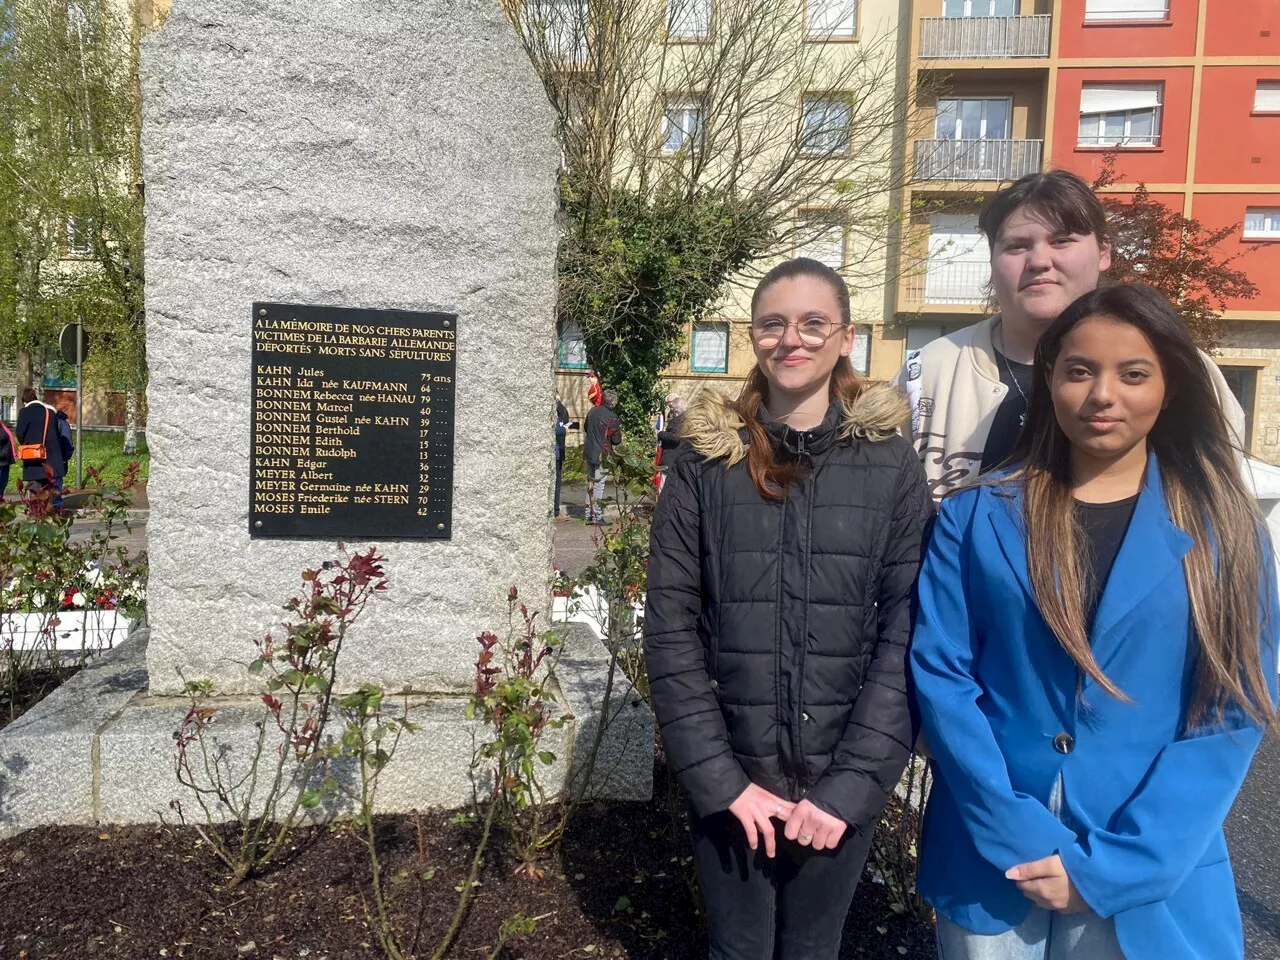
<point>130,422</point>
<point>23,378</point>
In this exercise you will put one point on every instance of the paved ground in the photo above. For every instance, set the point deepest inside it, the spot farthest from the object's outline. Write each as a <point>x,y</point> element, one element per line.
<point>1253,833</point>
<point>1253,830</point>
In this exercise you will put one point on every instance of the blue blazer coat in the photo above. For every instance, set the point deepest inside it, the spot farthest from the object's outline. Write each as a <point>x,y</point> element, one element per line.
<point>999,706</point>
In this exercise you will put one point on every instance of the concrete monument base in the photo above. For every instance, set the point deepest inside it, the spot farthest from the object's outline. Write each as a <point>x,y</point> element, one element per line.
<point>101,750</point>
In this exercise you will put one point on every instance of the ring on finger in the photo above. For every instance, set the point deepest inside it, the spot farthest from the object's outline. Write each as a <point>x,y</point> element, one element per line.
<point>777,811</point>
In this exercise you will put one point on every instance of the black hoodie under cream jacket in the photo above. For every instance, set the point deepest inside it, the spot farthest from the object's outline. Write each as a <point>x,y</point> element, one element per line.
<point>776,632</point>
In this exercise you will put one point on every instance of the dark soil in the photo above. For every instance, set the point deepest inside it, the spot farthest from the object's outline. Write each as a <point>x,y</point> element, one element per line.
<point>33,686</point>
<point>618,887</point>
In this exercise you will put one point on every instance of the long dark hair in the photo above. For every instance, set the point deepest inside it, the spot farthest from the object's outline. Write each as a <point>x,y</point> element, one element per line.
<point>1203,489</point>
<point>770,474</point>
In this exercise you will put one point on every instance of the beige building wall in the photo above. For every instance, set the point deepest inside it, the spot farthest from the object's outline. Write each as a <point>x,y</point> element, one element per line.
<point>1250,353</point>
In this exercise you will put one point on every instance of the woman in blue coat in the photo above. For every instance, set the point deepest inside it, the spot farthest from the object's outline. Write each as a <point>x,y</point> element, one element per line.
<point>1090,677</point>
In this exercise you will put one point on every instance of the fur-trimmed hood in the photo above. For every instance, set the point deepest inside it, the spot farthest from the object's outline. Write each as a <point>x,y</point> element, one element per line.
<point>713,428</point>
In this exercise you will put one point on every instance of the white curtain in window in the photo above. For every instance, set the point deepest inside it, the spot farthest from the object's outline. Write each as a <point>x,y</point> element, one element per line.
<point>832,18</point>
<point>1267,96</point>
<point>959,260</point>
<point>681,123</point>
<point>1120,10</point>
<point>573,349</point>
<point>711,347</point>
<point>860,353</point>
<point>1104,98</point>
<point>1262,221</point>
<point>688,19</point>
<point>820,241</point>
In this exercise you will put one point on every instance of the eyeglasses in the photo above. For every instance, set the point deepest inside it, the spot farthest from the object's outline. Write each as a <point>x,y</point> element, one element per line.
<point>812,331</point>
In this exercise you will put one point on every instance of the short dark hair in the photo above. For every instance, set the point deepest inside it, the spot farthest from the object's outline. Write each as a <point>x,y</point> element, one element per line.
<point>28,395</point>
<point>805,267</point>
<point>1060,197</point>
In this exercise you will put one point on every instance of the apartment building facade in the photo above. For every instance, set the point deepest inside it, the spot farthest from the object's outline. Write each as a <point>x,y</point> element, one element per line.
<point>718,352</point>
<point>1184,93</point>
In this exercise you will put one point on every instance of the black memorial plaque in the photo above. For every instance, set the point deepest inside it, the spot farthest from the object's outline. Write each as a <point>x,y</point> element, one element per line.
<point>352,423</point>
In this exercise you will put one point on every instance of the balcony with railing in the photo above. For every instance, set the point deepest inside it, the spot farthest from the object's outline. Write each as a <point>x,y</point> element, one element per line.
<point>985,38</point>
<point>955,283</point>
<point>966,160</point>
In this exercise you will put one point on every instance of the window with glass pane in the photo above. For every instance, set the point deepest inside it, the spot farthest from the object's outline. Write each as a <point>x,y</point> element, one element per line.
<point>688,19</point>
<point>1266,96</point>
<point>79,236</point>
<point>710,352</point>
<point>681,123</point>
<point>559,26</point>
<point>573,349</point>
<point>1125,115</point>
<point>820,239</point>
<point>980,8</point>
<point>827,125</point>
<point>1262,222</point>
<point>860,354</point>
<point>973,119</point>
<point>831,19</point>
<point>1120,11</point>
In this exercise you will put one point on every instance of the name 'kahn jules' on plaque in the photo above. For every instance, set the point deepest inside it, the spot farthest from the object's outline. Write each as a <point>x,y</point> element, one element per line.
<point>352,427</point>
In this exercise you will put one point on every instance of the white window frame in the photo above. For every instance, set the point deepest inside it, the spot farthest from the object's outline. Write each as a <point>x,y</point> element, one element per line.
<point>1266,96</point>
<point>959,117</point>
<point>571,333</point>
<point>831,19</point>
<point>980,8</point>
<point>1267,220</point>
<point>79,237</point>
<point>860,351</point>
<point>819,246</point>
<point>821,137</point>
<point>1126,116</point>
<point>1126,11</point>
<point>677,109</point>
<point>708,327</point>
<point>689,20</point>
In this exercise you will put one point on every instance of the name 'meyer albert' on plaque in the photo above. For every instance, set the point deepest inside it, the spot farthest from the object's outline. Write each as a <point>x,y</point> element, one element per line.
<point>352,422</point>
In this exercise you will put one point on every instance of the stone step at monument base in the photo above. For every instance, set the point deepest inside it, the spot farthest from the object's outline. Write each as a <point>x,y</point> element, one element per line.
<point>100,750</point>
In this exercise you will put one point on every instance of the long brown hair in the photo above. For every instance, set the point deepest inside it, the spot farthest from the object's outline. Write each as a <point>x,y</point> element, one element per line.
<point>771,474</point>
<point>1203,490</point>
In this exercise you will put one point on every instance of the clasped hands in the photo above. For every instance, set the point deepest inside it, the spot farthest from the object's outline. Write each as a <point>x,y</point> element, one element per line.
<point>756,809</point>
<point>1046,884</point>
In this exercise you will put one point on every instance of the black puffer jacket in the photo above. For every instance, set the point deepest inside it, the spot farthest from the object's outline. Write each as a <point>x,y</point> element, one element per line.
<point>776,632</point>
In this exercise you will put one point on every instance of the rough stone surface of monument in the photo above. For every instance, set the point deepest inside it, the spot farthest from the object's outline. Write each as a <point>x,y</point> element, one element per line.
<point>389,154</point>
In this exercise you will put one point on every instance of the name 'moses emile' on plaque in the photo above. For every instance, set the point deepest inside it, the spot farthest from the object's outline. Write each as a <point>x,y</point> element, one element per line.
<point>352,423</point>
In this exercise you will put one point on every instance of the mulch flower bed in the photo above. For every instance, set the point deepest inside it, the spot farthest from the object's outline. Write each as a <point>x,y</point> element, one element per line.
<point>618,887</point>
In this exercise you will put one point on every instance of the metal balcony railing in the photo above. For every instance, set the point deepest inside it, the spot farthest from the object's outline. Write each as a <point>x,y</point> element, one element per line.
<point>954,283</point>
<point>985,38</point>
<point>977,159</point>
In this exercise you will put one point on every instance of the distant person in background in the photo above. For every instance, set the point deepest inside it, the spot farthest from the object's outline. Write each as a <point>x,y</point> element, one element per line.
<point>563,423</point>
<point>8,454</point>
<point>66,444</point>
<point>37,425</point>
<point>595,393</point>
<point>669,436</point>
<point>603,434</point>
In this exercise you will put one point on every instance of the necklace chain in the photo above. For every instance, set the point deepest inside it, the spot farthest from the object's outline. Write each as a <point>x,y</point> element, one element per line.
<point>1022,420</point>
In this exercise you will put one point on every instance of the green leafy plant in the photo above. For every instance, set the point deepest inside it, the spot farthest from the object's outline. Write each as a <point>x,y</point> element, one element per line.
<point>514,701</point>
<point>289,767</point>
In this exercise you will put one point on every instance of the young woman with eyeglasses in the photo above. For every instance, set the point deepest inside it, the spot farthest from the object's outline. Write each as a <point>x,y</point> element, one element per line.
<point>782,558</point>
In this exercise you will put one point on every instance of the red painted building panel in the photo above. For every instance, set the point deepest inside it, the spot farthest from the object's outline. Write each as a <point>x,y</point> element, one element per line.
<point>1261,258</point>
<point>1235,145</point>
<point>1242,28</point>
<point>1164,164</point>
<point>1175,37</point>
